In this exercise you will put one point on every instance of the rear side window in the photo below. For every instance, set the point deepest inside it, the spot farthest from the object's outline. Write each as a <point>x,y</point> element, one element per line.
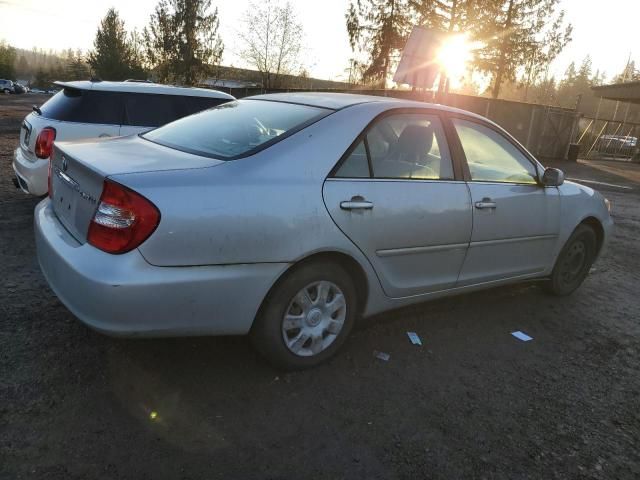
<point>237,128</point>
<point>191,105</point>
<point>401,146</point>
<point>152,110</point>
<point>84,106</point>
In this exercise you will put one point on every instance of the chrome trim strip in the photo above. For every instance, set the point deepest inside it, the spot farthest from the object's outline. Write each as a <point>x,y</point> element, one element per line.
<point>390,180</point>
<point>66,178</point>
<point>501,241</point>
<point>75,186</point>
<point>392,252</point>
<point>413,250</point>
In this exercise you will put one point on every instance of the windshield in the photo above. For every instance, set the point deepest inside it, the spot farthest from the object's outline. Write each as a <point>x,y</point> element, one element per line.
<point>236,129</point>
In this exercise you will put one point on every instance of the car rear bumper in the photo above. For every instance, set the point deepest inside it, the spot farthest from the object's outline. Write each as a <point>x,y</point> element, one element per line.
<point>124,295</point>
<point>32,175</point>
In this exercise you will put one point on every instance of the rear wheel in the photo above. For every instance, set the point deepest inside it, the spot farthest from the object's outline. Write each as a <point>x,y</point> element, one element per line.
<point>307,316</point>
<point>573,263</point>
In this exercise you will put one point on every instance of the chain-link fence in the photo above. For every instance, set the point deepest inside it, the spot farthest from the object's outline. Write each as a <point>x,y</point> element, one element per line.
<point>608,139</point>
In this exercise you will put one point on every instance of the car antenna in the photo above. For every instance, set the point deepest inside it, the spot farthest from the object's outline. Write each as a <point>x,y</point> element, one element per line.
<point>37,109</point>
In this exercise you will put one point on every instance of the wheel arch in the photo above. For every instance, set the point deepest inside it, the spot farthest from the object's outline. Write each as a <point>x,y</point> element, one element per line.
<point>346,261</point>
<point>597,227</point>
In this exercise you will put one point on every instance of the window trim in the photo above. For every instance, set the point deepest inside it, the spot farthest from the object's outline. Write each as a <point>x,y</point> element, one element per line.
<point>458,171</point>
<point>504,134</point>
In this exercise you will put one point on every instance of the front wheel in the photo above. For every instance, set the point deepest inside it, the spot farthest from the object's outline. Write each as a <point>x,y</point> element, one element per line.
<point>573,263</point>
<point>307,316</point>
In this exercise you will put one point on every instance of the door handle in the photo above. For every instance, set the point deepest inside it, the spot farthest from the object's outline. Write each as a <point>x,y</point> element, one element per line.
<point>356,204</point>
<point>486,203</point>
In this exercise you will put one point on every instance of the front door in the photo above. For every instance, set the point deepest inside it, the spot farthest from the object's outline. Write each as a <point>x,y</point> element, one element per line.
<point>396,197</point>
<point>515,220</point>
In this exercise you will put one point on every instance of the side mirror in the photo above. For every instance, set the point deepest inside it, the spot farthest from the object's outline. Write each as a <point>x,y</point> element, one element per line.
<point>552,177</point>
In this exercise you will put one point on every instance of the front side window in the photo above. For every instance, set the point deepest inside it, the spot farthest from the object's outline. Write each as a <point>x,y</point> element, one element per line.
<point>236,128</point>
<point>402,146</point>
<point>492,157</point>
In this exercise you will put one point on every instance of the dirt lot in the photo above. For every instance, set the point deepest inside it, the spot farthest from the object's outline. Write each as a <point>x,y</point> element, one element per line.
<point>473,402</point>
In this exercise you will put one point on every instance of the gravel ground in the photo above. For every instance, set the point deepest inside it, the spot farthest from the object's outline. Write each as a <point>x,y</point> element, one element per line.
<point>472,402</point>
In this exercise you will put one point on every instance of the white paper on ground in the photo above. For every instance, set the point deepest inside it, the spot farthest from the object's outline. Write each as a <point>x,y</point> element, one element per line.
<point>521,336</point>
<point>382,356</point>
<point>415,339</point>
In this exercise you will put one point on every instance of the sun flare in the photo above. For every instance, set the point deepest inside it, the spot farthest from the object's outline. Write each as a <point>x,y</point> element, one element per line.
<point>454,56</point>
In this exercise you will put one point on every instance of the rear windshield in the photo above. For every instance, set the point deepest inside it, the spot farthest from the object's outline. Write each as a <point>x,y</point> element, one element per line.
<point>123,108</point>
<point>84,106</point>
<point>236,129</point>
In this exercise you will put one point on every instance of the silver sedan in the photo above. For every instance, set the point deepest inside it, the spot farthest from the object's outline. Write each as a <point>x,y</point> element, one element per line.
<point>288,216</point>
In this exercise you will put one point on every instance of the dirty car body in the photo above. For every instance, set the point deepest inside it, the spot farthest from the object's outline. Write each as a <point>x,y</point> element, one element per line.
<point>347,182</point>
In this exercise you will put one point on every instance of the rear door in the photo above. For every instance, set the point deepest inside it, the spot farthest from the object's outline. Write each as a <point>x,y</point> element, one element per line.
<point>398,196</point>
<point>515,219</point>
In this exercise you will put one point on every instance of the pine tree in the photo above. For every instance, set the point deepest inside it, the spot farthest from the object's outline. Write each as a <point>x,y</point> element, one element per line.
<point>7,61</point>
<point>628,74</point>
<point>378,29</point>
<point>76,68</point>
<point>539,54</point>
<point>510,29</point>
<point>182,42</point>
<point>111,58</point>
<point>446,15</point>
<point>577,83</point>
<point>23,69</point>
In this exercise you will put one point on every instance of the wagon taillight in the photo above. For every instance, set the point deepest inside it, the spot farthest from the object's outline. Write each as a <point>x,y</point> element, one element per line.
<point>124,219</point>
<point>44,142</point>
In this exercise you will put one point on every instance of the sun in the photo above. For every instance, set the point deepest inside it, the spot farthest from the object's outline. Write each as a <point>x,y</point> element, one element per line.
<point>454,56</point>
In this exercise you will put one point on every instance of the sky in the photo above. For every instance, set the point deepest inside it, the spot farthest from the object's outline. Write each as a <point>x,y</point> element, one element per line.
<point>608,34</point>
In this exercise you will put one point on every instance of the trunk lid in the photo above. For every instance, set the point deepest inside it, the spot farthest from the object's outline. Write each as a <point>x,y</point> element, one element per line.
<point>78,171</point>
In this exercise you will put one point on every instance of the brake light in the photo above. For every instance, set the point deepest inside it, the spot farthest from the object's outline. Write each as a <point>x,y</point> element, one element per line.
<point>44,142</point>
<point>124,219</point>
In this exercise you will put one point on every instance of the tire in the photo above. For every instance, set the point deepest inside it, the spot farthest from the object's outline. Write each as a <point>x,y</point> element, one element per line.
<point>327,329</point>
<point>574,262</point>
<point>6,91</point>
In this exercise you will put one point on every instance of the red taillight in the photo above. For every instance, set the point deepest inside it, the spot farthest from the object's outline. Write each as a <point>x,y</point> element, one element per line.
<point>124,219</point>
<point>44,142</point>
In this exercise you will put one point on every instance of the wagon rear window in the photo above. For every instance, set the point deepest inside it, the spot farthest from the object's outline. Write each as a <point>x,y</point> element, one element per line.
<point>84,106</point>
<point>236,129</point>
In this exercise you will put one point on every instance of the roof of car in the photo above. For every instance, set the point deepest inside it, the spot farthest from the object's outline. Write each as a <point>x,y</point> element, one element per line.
<point>144,87</point>
<point>337,101</point>
<point>334,101</point>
